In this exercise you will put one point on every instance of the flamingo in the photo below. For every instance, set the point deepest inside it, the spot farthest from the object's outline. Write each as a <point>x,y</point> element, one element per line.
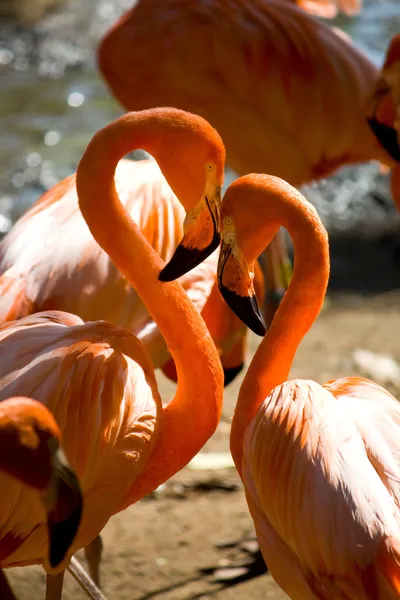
<point>30,453</point>
<point>97,378</point>
<point>285,91</point>
<point>320,463</point>
<point>49,260</point>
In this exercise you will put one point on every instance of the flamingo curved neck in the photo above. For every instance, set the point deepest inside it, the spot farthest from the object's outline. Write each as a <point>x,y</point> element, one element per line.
<point>193,414</point>
<point>296,314</point>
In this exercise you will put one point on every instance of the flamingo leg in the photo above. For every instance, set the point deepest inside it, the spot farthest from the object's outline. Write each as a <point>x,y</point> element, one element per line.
<point>277,268</point>
<point>6,592</point>
<point>54,586</point>
<point>93,553</point>
<point>80,575</point>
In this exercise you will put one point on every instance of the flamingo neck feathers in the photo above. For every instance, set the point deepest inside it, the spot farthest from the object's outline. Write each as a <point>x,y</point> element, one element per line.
<point>192,416</point>
<point>299,308</point>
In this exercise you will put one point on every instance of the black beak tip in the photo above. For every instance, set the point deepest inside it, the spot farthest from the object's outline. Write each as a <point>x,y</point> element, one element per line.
<point>386,136</point>
<point>62,534</point>
<point>231,372</point>
<point>185,259</point>
<point>246,308</point>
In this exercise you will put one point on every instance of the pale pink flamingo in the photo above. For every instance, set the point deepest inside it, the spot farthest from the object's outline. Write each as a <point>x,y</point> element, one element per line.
<point>320,463</point>
<point>96,378</point>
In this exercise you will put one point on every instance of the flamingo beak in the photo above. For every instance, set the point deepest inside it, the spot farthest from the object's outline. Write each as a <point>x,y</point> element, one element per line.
<point>63,501</point>
<point>383,115</point>
<point>233,282</point>
<point>230,373</point>
<point>201,238</point>
<point>386,136</point>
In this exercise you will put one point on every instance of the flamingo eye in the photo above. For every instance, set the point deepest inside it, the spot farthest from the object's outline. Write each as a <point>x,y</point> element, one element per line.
<point>228,222</point>
<point>209,167</point>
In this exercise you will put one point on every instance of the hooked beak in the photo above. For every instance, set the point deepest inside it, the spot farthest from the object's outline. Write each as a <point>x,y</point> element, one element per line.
<point>243,304</point>
<point>387,136</point>
<point>63,501</point>
<point>201,238</point>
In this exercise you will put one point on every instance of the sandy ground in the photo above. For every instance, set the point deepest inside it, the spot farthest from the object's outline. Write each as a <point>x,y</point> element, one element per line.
<point>159,547</point>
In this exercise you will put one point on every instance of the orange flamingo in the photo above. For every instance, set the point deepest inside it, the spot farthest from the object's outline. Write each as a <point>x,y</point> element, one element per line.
<point>320,464</point>
<point>96,378</point>
<point>285,91</point>
<point>30,453</point>
<point>50,261</point>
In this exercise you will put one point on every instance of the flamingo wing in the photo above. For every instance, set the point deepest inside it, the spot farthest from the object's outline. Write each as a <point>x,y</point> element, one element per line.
<point>53,252</point>
<point>321,467</point>
<point>49,260</point>
<point>99,383</point>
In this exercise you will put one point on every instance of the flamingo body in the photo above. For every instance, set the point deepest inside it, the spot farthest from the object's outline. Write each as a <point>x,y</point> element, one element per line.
<point>321,472</point>
<point>94,378</point>
<point>52,261</point>
<point>286,92</point>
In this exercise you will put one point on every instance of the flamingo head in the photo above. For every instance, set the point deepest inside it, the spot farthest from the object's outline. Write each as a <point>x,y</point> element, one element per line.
<point>384,104</point>
<point>192,159</point>
<point>33,456</point>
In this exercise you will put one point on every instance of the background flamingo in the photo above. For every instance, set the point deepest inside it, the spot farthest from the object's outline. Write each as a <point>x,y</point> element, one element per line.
<point>50,260</point>
<point>30,453</point>
<point>320,464</point>
<point>96,378</point>
<point>285,91</point>
<point>293,104</point>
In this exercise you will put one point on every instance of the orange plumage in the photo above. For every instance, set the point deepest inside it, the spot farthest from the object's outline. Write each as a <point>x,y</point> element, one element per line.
<point>320,464</point>
<point>96,378</point>
<point>50,261</point>
<point>30,453</point>
<point>285,91</point>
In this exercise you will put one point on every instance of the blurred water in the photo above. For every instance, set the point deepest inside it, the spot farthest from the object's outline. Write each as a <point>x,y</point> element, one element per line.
<point>53,100</point>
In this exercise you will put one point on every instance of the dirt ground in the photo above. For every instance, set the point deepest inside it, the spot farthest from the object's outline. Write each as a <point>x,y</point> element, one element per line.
<point>167,545</point>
